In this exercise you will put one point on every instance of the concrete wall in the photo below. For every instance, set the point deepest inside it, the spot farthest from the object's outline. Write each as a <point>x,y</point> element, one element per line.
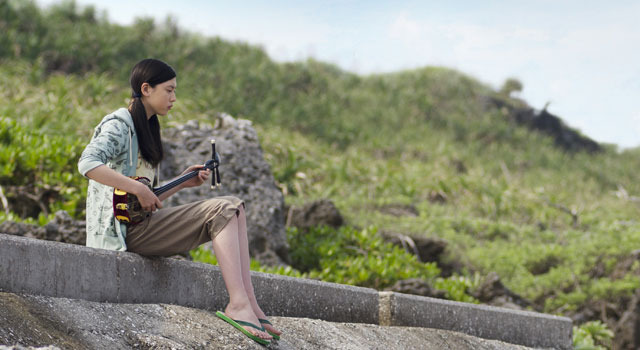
<point>519,327</point>
<point>33,266</point>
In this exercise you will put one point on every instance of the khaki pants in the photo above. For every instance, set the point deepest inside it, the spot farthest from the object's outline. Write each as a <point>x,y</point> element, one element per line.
<point>179,229</point>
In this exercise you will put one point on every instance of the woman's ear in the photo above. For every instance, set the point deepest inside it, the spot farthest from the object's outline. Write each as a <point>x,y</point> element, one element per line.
<point>145,89</point>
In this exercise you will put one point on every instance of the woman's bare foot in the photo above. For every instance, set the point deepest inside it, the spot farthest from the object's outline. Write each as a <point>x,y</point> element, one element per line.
<point>270,328</point>
<point>267,326</point>
<point>245,313</point>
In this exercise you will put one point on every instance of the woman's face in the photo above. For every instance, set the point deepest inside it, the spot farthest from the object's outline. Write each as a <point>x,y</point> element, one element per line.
<point>159,99</point>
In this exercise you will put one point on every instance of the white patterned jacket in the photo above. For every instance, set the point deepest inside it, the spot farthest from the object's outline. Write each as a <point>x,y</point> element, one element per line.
<point>115,144</point>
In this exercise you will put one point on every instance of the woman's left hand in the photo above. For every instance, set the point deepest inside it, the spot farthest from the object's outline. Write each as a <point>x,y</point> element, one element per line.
<point>203,175</point>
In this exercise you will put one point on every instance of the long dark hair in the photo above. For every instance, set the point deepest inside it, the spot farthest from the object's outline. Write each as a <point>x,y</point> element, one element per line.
<point>152,72</point>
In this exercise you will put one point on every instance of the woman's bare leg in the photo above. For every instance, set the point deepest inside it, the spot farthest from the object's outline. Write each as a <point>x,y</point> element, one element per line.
<point>243,241</point>
<point>227,247</point>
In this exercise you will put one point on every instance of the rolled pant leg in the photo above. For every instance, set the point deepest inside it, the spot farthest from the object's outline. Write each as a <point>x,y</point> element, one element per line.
<point>178,229</point>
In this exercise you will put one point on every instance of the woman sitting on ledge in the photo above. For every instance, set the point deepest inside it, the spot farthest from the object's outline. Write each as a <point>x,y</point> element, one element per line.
<point>127,144</point>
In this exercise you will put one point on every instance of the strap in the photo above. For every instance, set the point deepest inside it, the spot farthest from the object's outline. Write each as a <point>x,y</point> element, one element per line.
<point>250,325</point>
<point>263,321</point>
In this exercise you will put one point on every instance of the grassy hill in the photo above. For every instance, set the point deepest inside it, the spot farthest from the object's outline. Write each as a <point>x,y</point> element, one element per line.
<point>506,198</point>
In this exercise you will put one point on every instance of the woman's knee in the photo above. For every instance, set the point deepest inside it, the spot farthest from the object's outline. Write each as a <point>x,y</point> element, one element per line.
<point>227,200</point>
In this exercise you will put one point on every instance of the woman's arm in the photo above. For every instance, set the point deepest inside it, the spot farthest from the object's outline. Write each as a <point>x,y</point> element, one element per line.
<point>110,177</point>
<point>193,182</point>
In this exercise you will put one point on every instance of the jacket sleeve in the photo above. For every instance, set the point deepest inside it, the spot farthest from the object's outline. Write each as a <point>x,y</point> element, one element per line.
<point>109,140</point>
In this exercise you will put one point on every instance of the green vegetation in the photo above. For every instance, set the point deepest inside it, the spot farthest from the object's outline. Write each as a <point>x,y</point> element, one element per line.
<point>590,335</point>
<point>357,257</point>
<point>509,200</point>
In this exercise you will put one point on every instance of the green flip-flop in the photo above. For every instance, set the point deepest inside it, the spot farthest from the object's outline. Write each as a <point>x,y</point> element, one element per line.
<point>263,321</point>
<point>239,324</point>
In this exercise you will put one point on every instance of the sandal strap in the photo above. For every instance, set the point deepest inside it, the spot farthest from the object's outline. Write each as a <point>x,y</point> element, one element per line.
<point>245,323</point>
<point>262,320</point>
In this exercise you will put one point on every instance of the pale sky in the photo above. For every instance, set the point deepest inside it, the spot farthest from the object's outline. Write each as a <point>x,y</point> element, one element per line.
<point>582,56</point>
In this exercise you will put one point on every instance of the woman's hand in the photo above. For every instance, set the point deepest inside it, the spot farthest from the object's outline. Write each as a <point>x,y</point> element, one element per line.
<point>203,175</point>
<point>105,175</point>
<point>148,201</point>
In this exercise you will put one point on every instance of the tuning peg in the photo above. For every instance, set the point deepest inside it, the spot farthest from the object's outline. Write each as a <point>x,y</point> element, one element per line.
<point>215,178</point>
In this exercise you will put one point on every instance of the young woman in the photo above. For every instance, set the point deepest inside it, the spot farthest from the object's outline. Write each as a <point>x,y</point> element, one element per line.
<point>127,143</point>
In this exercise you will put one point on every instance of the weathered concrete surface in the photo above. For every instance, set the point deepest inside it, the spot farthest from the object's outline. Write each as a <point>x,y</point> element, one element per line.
<point>20,347</point>
<point>514,326</point>
<point>55,269</point>
<point>27,320</point>
<point>295,297</point>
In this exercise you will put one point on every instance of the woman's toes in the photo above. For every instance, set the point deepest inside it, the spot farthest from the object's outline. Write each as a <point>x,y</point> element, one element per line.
<point>259,334</point>
<point>265,336</point>
<point>271,328</point>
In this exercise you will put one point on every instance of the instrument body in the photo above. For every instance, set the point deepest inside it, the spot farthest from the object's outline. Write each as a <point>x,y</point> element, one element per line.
<point>127,208</point>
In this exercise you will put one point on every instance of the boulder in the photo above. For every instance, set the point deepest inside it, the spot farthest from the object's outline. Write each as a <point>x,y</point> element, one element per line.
<point>491,291</point>
<point>41,322</point>
<point>244,174</point>
<point>398,210</point>
<point>417,286</point>
<point>544,122</point>
<point>63,228</point>
<point>427,249</point>
<point>316,213</point>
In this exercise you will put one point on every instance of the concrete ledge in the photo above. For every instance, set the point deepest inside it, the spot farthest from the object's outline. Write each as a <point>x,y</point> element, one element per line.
<point>49,268</point>
<point>296,297</point>
<point>512,326</point>
<point>33,266</point>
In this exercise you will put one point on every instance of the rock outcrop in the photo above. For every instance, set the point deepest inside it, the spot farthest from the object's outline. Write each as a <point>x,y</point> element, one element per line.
<point>417,286</point>
<point>27,320</point>
<point>63,228</point>
<point>244,172</point>
<point>546,123</point>
<point>427,249</point>
<point>317,213</point>
<point>492,292</point>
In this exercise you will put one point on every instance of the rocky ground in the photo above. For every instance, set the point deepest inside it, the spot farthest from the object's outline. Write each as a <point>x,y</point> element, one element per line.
<point>28,321</point>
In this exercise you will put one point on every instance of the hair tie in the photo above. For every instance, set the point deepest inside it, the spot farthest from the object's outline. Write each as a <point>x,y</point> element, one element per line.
<point>137,95</point>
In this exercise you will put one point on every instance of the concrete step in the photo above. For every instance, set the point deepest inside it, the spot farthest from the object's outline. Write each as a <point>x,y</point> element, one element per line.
<point>56,269</point>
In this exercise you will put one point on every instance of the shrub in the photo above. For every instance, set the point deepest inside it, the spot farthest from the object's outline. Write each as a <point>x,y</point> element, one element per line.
<point>593,335</point>
<point>345,255</point>
<point>41,168</point>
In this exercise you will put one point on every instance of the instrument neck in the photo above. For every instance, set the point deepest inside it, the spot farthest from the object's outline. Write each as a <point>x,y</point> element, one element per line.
<point>164,188</point>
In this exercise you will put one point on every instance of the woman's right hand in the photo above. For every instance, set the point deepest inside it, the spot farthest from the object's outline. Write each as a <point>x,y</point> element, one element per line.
<point>105,175</point>
<point>148,201</point>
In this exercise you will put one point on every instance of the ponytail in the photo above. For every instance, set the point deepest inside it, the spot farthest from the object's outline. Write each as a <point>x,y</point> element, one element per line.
<point>148,132</point>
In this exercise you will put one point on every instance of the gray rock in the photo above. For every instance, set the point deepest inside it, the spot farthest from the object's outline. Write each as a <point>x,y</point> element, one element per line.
<point>32,321</point>
<point>544,122</point>
<point>417,286</point>
<point>491,291</point>
<point>397,209</point>
<point>244,173</point>
<point>317,213</point>
<point>63,228</point>
<point>427,249</point>
<point>19,347</point>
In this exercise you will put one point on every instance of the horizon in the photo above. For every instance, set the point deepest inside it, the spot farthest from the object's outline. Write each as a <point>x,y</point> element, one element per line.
<point>582,60</point>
